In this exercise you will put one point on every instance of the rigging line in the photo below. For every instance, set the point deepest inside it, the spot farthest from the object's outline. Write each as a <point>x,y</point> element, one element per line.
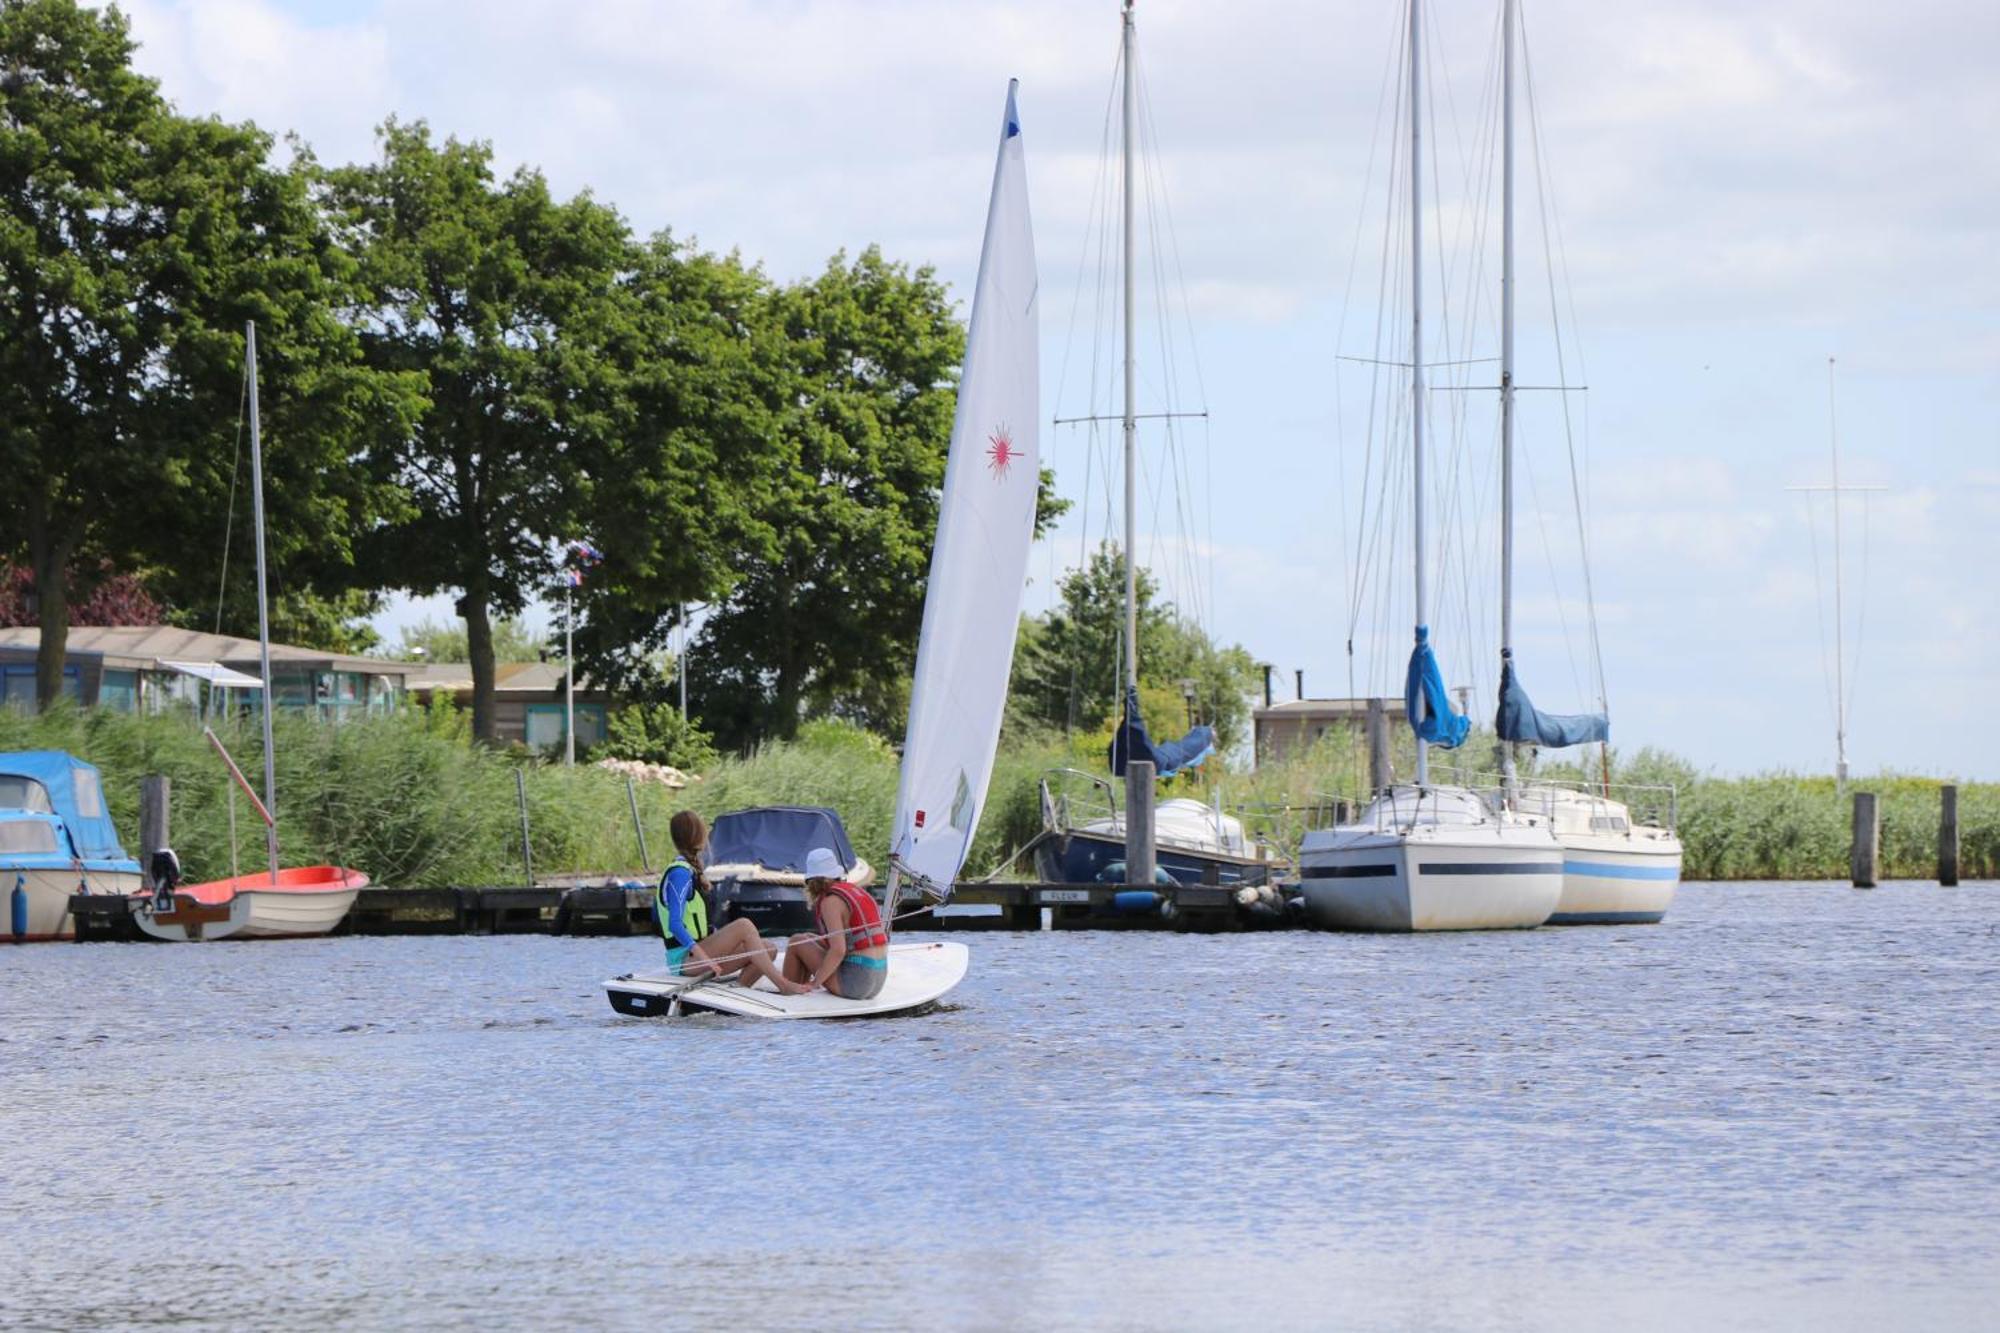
<point>1339,341</point>
<point>1525,456</point>
<point>1819,610</point>
<point>1385,283</point>
<point>235,472</point>
<point>1860,616</point>
<point>1545,202</point>
<point>1160,205</point>
<point>1083,252</point>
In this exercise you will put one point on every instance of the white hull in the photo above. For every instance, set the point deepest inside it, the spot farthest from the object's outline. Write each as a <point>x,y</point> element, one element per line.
<point>249,914</point>
<point>919,974</point>
<point>1616,871</point>
<point>48,894</point>
<point>1617,881</point>
<point>1411,866</point>
<point>292,913</point>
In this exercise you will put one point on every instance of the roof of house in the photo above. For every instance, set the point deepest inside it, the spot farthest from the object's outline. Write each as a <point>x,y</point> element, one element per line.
<point>1323,709</point>
<point>508,677</point>
<point>144,647</point>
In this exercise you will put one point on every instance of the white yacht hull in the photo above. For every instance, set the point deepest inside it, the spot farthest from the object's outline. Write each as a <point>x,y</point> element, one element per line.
<point>1423,880</point>
<point>48,893</point>
<point>1616,880</point>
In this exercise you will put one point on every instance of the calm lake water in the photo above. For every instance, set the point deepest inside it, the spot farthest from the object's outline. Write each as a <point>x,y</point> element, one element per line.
<point>1779,1107</point>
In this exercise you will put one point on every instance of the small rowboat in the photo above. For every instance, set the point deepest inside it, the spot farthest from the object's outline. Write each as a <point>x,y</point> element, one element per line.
<point>305,900</point>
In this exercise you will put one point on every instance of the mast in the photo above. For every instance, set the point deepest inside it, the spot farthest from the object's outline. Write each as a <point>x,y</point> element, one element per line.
<point>1417,342</point>
<point>263,603</point>
<point>1507,775</point>
<point>1839,619</point>
<point>1131,421</point>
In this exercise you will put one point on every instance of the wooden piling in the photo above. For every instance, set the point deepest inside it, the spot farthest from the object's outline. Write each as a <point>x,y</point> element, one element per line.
<point>1867,851</point>
<point>155,798</point>
<point>632,799</point>
<point>1139,860</point>
<point>1379,773</point>
<point>1948,835</point>
<point>527,843</point>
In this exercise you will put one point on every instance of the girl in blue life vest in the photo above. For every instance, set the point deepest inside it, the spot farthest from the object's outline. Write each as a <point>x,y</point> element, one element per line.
<point>850,955</point>
<point>681,908</point>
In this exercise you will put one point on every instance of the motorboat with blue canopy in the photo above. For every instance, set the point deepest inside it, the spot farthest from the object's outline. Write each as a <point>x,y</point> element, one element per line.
<point>57,838</point>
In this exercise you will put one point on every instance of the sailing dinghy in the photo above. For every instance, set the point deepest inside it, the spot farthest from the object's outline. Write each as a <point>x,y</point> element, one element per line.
<point>279,904</point>
<point>965,651</point>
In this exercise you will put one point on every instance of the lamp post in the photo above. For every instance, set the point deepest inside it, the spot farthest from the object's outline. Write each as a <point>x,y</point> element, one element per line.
<point>1187,693</point>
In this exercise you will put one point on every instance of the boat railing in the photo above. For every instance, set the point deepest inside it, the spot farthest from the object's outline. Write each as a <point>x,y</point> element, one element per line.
<point>1071,797</point>
<point>1645,805</point>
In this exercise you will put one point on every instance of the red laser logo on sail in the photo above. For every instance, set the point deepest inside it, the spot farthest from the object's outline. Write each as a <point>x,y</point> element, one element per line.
<point>1001,455</point>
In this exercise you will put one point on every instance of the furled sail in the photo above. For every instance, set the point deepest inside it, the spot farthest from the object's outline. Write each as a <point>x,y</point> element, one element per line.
<point>1520,720</point>
<point>1131,741</point>
<point>1425,702</point>
<point>986,523</point>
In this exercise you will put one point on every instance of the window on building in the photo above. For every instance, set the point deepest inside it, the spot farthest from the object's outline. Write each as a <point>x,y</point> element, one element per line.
<point>119,691</point>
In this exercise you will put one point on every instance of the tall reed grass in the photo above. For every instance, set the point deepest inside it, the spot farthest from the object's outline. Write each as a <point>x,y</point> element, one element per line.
<point>405,798</point>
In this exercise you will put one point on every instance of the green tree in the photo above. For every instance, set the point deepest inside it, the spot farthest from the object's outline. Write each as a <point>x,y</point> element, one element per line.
<point>656,734</point>
<point>1068,664</point>
<point>507,303</point>
<point>682,495</point>
<point>134,243</point>
<point>823,616</point>
<point>435,641</point>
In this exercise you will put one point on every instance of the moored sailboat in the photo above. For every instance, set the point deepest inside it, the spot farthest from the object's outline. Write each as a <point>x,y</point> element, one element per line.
<point>1424,857</point>
<point>301,900</point>
<point>1615,870</point>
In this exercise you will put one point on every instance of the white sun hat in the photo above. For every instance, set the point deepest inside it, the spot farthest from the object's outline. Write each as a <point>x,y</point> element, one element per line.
<point>824,863</point>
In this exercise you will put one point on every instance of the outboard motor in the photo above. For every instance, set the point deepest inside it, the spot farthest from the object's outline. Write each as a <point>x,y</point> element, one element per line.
<point>165,868</point>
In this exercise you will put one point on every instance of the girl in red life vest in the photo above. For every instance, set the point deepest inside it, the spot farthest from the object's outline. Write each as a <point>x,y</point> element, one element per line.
<point>850,955</point>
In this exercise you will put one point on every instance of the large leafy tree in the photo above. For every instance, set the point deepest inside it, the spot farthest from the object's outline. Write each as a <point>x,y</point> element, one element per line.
<point>682,495</point>
<point>825,610</point>
<point>510,305</point>
<point>134,243</point>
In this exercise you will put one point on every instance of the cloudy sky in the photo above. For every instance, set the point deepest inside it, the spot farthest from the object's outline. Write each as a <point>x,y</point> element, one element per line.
<point>1743,191</point>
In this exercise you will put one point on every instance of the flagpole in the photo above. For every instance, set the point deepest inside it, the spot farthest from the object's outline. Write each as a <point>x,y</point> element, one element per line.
<point>569,672</point>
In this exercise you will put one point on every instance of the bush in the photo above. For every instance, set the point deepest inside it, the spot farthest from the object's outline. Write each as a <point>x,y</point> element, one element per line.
<point>656,734</point>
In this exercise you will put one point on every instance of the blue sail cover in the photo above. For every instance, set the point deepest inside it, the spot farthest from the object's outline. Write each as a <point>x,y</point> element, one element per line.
<point>1520,720</point>
<point>1425,702</point>
<point>1169,757</point>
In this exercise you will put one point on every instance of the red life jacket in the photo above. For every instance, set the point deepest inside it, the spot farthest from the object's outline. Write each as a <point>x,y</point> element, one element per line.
<point>864,918</point>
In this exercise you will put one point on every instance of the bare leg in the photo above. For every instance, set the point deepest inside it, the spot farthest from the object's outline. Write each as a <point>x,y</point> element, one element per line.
<point>743,952</point>
<point>802,957</point>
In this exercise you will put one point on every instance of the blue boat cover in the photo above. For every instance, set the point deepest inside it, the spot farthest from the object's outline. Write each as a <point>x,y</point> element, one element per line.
<point>1131,741</point>
<point>1425,702</point>
<point>777,837</point>
<point>1520,720</point>
<point>76,795</point>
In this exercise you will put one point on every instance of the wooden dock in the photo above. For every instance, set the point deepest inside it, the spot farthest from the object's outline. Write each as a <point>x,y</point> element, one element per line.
<point>622,911</point>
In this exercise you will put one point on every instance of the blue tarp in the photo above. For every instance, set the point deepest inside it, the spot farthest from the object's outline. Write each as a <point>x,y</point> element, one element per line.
<point>1425,702</point>
<point>1130,741</point>
<point>776,837</point>
<point>1520,720</point>
<point>76,795</point>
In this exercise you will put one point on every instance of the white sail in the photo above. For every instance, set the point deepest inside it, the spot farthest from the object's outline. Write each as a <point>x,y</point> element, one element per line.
<point>986,523</point>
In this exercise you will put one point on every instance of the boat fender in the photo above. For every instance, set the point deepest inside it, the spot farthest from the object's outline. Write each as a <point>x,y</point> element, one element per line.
<point>20,908</point>
<point>1129,902</point>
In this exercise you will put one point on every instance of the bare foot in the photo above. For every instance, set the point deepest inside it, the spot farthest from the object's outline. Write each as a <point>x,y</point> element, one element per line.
<point>794,987</point>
